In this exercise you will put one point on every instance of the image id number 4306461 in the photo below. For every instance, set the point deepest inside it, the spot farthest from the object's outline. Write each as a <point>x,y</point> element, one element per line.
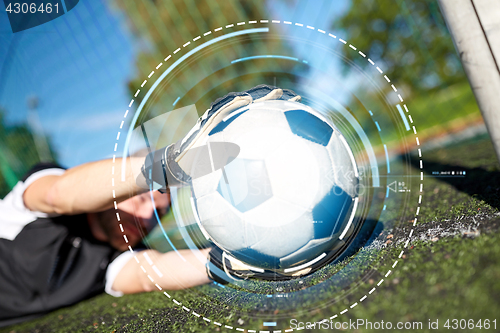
<point>25,8</point>
<point>455,324</point>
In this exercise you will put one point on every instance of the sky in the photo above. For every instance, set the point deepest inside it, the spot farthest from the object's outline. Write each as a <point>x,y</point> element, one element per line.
<point>79,64</point>
<point>321,14</point>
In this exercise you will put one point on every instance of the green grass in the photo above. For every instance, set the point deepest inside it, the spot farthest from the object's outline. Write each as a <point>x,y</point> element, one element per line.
<point>436,113</point>
<point>453,277</point>
<point>454,102</point>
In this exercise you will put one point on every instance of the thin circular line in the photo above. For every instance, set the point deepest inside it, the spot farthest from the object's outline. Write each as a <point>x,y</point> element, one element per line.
<point>371,62</point>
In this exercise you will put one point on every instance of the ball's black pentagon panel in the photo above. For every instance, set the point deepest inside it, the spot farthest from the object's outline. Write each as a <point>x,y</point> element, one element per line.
<point>309,127</point>
<point>330,212</point>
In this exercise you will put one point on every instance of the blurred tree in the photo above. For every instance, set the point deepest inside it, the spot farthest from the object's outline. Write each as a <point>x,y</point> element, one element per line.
<point>162,26</point>
<point>409,36</point>
<point>18,153</point>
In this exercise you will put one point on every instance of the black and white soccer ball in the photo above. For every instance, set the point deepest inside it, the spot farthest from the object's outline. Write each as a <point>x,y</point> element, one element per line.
<point>289,196</point>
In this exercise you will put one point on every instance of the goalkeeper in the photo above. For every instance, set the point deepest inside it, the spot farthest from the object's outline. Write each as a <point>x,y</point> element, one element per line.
<point>60,241</point>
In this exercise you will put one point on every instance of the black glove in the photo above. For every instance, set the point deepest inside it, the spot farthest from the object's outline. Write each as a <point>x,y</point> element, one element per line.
<point>223,269</point>
<point>178,163</point>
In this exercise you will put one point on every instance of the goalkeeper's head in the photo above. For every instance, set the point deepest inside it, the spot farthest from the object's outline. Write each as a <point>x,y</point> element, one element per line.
<point>137,217</point>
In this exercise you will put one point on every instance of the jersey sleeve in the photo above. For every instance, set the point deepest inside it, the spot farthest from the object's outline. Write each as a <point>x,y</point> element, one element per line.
<point>113,269</point>
<point>15,215</point>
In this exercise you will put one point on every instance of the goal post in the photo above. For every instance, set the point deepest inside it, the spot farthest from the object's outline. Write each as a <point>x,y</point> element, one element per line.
<point>475,29</point>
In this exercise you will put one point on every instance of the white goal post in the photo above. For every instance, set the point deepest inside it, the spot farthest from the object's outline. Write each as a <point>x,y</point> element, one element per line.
<point>475,28</point>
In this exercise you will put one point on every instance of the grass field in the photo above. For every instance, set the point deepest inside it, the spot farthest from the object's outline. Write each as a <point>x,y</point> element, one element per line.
<point>451,271</point>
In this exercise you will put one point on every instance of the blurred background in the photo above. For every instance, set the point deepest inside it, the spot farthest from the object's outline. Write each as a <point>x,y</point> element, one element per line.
<point>65,84</point>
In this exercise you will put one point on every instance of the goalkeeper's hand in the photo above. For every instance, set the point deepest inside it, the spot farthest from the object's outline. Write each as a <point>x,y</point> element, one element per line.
<point>173,165</point>
<point>223,269</point>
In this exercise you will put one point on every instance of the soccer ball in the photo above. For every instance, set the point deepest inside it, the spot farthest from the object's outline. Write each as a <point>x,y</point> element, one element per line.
<point>290,194</point>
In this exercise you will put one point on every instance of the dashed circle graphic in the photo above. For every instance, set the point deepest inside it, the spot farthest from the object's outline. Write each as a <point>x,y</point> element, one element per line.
<point>207,35</point>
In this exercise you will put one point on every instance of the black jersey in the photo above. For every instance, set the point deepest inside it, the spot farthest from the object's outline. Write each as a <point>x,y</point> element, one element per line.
<point>48,262</point>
